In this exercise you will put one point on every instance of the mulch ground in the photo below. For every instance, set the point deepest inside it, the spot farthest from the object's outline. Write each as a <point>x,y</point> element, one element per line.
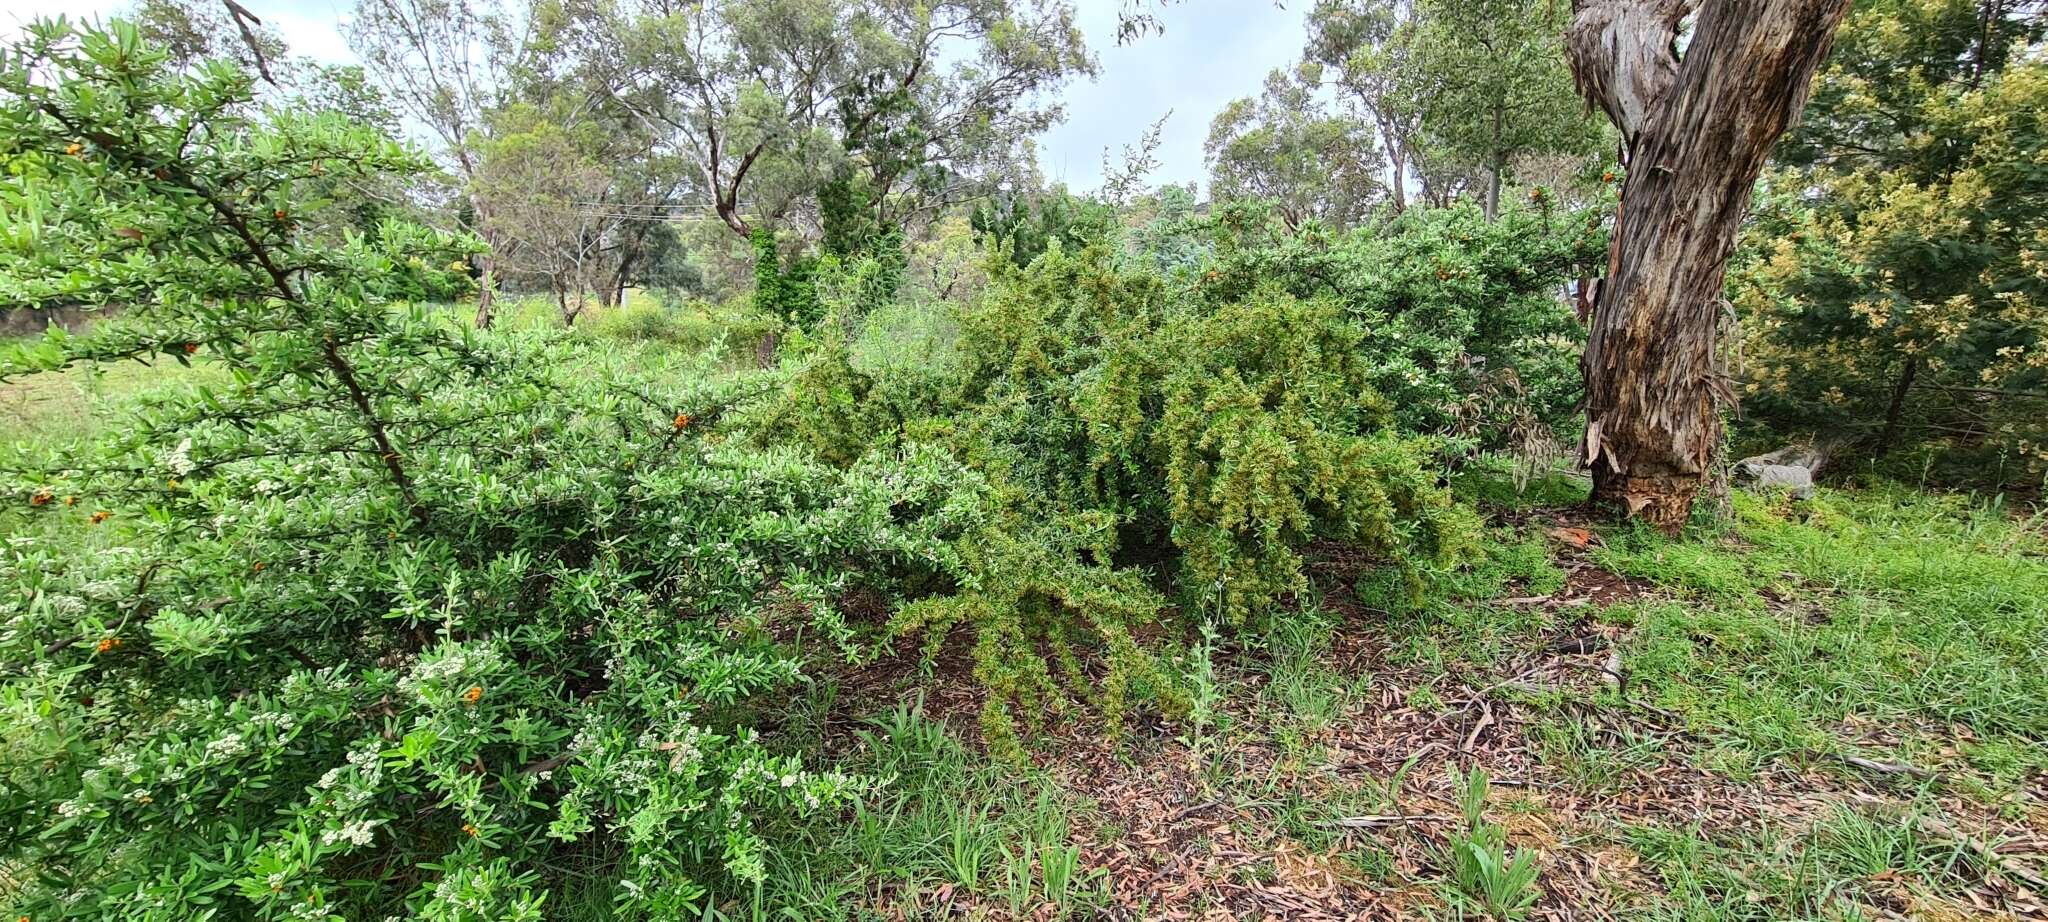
<point>1174,845</point>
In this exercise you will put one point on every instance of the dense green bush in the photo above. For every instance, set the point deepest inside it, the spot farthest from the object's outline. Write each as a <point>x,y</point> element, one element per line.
<point>1446,302</point>
<point>396,619</point>
<point>1201,419</point>
<point>1233,432</point>
<point>1887,307</point>
<point>730,328</point>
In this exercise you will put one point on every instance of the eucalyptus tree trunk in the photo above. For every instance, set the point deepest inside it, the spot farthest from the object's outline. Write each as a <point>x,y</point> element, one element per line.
<point>1697,131</point>
<point>487,261</point>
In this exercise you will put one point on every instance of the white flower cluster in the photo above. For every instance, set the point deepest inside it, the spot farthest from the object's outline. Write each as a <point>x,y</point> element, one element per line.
<point>179,460</point>
<point>227,747</point>
<point>357,833</point>
<point>369,773</point>
<point>122,762</point>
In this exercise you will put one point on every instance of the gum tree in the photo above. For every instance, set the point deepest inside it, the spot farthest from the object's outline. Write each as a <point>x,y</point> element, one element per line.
<point>1697,130</point>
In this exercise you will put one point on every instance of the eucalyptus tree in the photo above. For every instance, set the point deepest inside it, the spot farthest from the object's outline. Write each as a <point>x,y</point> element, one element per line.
<point>1487,84</point>
<point>1698,127</point>
<point>445,63</point>
<point>1357,42</point>
<point>1286,146</point>
<point>191,31</point>
<point>910,104</point>
<point>541,178</point>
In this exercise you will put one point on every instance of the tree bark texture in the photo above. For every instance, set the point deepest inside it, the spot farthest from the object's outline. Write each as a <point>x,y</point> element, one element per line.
<point>486,263</point>
<point>1698,131</point>
<point>1897,409</point>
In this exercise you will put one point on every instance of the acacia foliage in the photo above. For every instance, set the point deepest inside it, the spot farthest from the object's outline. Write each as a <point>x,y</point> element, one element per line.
<point>1234,430</point>
<point>1892,289</point>
<point>1171,416</point>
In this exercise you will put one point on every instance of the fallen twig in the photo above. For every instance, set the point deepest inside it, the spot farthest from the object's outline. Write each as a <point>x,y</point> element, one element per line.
<point>1888,768</point>
<point>1379,820</point>
<point>1485,720</point>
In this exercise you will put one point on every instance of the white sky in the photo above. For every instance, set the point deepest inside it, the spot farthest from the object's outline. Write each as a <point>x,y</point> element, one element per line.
<point>1212,51</point>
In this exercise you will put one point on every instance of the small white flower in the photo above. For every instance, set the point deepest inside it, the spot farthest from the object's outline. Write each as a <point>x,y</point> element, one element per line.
<point>179,461</point>
<point>227,747</point>
<point>357,833</point>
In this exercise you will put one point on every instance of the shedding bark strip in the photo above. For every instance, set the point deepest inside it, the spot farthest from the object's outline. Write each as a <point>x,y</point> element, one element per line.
<point>1698,128</point>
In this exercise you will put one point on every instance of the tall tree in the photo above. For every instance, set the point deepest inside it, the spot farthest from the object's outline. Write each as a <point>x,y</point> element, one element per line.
<point>1356,41</point>
<point>546,184</point>
<point>1286,147</point>
<point>1487,84</point>
<point>190,31</point>
<point>1697,129</point>
<point>445,63</point>
<point>775,98</point>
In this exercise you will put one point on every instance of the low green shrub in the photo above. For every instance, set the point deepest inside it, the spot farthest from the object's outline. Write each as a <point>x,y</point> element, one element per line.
<point>389,617</point>
<point>1043,600</point>
<point>1232,433</point>
<point>729,328</point>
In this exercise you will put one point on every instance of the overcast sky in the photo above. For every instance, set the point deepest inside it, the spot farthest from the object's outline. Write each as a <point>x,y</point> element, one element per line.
<point>1212,51</point>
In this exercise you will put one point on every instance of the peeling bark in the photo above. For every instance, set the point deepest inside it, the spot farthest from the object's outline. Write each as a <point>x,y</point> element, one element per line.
<point>1698,131</point>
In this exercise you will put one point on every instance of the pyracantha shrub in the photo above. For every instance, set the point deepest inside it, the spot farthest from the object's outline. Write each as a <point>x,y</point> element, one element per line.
<point>1443,298</point>
<point>378,616</point>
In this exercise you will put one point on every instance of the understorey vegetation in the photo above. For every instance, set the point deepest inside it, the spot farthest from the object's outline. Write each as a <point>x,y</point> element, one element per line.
<point>459,534</point>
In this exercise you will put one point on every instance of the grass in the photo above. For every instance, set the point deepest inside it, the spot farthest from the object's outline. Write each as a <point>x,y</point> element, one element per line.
<point>58,409</point>
<point>1850,620</point>
<point>946,829</point>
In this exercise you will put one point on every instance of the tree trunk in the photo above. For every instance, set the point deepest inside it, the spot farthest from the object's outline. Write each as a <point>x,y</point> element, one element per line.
<point>486,297</point>
<point>1898,406</point>
<point>570,314</point>
<point>1492,192</point>
<point>618,283</point>
<point>1698,132</point>
<point>486,265</point>
<point>1396,157</point>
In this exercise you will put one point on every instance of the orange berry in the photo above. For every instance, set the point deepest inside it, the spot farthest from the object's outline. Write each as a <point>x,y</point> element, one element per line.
<point>101,516</point>
<point>257,566</point>
<point>75,149</point>
<point>473,694</point>
<point>106,644</point>
<point>42,498</point>
<point>470,829</point>
<point>682,421</point>
<point>191,348</point>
